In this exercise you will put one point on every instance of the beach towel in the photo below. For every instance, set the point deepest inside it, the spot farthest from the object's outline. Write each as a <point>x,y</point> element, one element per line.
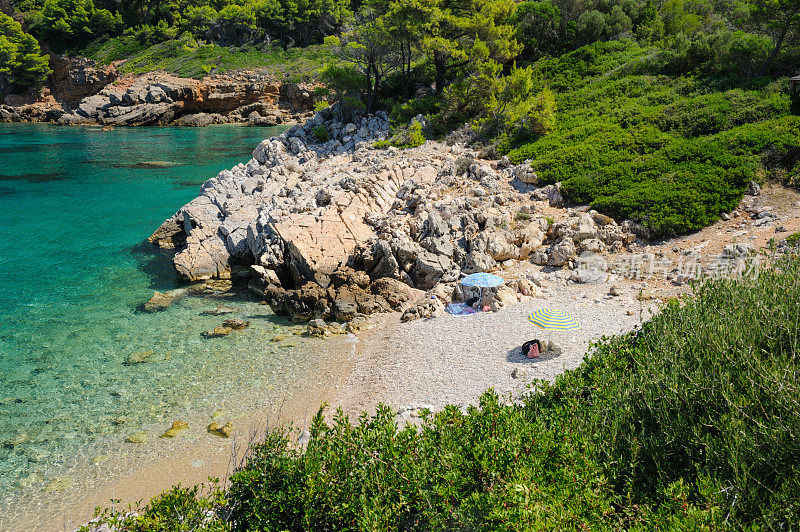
<point>460,309</point>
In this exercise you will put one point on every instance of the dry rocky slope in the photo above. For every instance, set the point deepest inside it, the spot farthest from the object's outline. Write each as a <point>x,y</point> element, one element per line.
<point>340,229</point>
<point>83,92</point>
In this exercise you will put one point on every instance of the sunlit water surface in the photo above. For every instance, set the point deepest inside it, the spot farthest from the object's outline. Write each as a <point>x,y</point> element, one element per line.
<point>75,206</point>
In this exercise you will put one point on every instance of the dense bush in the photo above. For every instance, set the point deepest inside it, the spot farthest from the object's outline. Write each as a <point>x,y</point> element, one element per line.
<point>409,136</point>
<point>670,152</point>
<point>21,58</point>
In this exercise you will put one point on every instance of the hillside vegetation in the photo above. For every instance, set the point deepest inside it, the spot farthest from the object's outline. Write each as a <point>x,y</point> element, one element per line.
<point>670,151</point>
<point>690,423</point>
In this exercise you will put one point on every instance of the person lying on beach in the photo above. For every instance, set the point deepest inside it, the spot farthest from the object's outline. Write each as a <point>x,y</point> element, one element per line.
<point>532,348</point>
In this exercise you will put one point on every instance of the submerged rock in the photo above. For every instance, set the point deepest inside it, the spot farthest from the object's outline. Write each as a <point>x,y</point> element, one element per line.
<point>235,324</point>
<point>219,311</point>
<point>141,436</point>
<point>59,484</point>
<point>217,332</point>
<point>138,358</point>
<point>163,300</point>
<point>223,431</point>
<point>177,427</point>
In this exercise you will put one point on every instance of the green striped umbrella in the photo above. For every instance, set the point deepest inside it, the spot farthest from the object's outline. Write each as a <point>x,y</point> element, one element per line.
<point>554,320</point>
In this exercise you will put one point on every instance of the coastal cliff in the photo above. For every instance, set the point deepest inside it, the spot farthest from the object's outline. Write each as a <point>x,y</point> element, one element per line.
<point>82,92</point>
<point>331,226</point>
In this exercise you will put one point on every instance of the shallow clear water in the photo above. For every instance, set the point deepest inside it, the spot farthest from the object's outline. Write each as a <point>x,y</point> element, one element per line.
<point>75,206</point>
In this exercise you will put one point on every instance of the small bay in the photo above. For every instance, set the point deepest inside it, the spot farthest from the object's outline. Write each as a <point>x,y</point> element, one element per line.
<point>76,204</point>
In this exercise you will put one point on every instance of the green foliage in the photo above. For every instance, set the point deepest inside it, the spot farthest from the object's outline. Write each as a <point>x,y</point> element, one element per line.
<point>706,394</point>
<point>321,133</point>
<point>670,152</point>
<point>793,239</point>
<point>187,56</point>
<point>66,21</point>
<point>21,58</point>
<point>179,509</point>
<point>404,137</point>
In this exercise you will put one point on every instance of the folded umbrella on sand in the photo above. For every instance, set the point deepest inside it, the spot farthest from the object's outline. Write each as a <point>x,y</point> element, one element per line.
<point>551,320</point>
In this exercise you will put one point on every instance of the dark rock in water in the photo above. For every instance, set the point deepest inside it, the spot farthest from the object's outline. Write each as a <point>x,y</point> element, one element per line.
<point>223,431</point>
<point>138,358</point>
<point>236,324</point>
<point>219,311</point>
<point>156,164</point>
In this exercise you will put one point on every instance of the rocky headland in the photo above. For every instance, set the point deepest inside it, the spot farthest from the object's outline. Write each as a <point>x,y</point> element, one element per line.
<point>329,227</point>
<point>82,92</point>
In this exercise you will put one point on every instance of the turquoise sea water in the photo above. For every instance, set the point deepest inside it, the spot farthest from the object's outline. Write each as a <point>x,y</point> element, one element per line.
<point>75,205</point>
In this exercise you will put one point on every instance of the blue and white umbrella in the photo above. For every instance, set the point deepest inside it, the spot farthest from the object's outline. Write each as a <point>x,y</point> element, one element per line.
<point>483,280</point>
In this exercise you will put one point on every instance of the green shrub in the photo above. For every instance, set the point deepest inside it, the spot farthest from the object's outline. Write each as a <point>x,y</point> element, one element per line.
<point>179,509</point>
<point>404,137</point>
<point>706,394</point>
<point>793,239</point>
<point>321,133</point>
<point>21,58</point>
<point>669,152</point>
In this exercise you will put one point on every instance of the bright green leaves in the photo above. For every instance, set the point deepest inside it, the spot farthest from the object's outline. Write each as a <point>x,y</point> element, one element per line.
<point>21,58</point>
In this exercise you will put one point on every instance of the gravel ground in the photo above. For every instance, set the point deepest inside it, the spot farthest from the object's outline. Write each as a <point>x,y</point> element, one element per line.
<point>454,359</point>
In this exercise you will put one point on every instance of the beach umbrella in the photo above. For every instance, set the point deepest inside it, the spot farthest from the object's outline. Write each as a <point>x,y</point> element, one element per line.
<point>483,280</point>
<point>553,320</point>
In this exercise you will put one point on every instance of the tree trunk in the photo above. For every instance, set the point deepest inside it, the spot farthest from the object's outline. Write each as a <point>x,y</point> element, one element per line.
<point>779,44</point>
<point>440,64</point>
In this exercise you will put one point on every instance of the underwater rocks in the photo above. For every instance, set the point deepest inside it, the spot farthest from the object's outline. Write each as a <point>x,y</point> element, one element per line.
<point>178,426</point>
<point>138,358</point>
<point>223,431</point>
<point>163,300</point>
<point>228,327</point>
<point>138,437</point>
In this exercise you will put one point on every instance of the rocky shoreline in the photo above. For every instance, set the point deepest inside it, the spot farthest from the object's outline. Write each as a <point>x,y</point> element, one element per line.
<point>329,227</point>
<point>81,92</point>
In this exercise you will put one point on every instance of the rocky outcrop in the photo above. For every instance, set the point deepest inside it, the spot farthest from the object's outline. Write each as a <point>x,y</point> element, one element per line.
<point>76,78</point>
<point>333,228</point>
<point>83,92</point>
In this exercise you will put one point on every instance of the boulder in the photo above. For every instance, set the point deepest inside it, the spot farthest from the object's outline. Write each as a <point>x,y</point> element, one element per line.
<point>217,332</point>
<point>395,292</point>
<point>561,252</point>
<point>426,307</point>
<point>525,173</point>
<point>223,431</point>
<point>163,300</point>
<point>317,328</point>
<point>176,428</point>
<point>236,324</point>
<point>477,261</point>
<point>261,278</point>
<point>429,269</point>
<point>586,228</point>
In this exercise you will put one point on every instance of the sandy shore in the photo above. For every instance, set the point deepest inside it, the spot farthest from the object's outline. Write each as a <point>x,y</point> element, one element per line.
<point>431,363</point>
